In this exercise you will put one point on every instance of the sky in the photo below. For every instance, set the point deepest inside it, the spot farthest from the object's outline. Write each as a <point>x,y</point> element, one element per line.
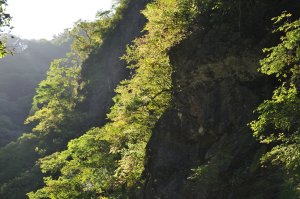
<point>41,19</point>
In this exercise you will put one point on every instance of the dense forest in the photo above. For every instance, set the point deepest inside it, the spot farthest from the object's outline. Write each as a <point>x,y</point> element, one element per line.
<point>155,99</point>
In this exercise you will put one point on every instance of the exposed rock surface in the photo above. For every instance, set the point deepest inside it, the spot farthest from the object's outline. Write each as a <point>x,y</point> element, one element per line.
<point>104,69</point>
<point>202,147</point>
<point>208,128</point>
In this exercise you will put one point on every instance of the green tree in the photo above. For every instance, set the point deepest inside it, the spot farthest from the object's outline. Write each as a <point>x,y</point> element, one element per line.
<point>278,124</point>
<point>55,101</point>
<point>20,74</point>
<point>88,35</point>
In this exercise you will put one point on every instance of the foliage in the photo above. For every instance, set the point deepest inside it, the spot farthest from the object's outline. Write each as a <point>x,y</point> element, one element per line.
<point>55,117</point>
<point>278,123</point>
<point>54,120</point>
<point>55,101</point>
<point>4,23</point>
<point>199,172</point>
<point>108,162</point>
<point>88,35</point>
<point>20,74</point>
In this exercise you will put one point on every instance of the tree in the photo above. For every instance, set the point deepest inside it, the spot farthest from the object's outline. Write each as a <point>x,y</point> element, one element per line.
<point>278,124</point>
<point>4,23</point>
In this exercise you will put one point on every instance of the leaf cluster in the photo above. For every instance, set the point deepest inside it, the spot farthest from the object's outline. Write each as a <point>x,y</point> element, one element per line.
<point>278,123</point>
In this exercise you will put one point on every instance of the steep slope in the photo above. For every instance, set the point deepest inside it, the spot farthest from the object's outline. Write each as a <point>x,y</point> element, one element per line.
<point>208,128</point>
<point>104,69</point>
<point>19,173</point>
<point>202,147</point>
<point>193,88</point>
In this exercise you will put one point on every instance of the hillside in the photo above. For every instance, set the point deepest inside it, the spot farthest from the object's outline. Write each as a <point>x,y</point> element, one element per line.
<point>167,99</point>
<point>19,173</point>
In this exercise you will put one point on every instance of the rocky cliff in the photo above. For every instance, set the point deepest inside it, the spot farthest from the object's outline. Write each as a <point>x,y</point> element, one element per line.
<point>208,128</point>
<point>202,147</point>
<point>104,69</point>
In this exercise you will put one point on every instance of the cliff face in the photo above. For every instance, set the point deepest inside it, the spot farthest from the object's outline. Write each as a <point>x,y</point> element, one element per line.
<point>208,128</point>
<point>104,69</point>
<point>202,147</point>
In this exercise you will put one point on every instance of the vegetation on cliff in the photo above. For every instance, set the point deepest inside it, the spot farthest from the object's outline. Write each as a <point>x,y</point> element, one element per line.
<point>108,161</point>
<point>54,116</point>
<point>278,124</point>
<point>62,158</point>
